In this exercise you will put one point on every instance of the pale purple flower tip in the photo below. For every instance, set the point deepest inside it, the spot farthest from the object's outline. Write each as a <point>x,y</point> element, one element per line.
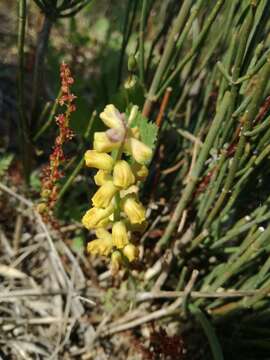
<point>115,135</point>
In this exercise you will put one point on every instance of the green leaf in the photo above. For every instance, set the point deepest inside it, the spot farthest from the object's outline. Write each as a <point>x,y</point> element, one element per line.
<point>5,162</point>
<point>148,130</point>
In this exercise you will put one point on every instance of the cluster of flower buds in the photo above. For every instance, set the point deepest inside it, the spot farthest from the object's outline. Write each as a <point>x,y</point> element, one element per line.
<point>120,157</point>
<point>52,172</point>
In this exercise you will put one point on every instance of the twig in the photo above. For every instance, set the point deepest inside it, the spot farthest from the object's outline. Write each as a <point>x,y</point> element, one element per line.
<point>163,106</point>
<point>158,314</point>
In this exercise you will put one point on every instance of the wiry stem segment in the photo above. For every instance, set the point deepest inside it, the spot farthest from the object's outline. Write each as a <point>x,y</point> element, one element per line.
<point>23,123</point>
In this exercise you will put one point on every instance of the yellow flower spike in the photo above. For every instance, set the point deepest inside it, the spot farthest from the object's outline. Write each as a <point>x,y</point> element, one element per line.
<point>139,151</point>
<point>100,246</point>
<point>140,171</point>
<point>96,218</point>
<point>134,210</point>
<point>119,234</point>
<point>101,177</point>
<point>122,174</point>
<point>104,195</point>
<point>98,160</point>
<point>131,252</point>
<point>103,144</point>
<point>112,117</point>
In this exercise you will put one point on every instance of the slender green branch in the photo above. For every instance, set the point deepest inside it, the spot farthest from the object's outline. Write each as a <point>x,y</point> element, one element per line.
<point>209,332</point>
<point>41,50</point>
<point>24,135</point>
<point>141,40</point>
<point>47,124</point>
<point>176,28</point>
<point>210,138</point>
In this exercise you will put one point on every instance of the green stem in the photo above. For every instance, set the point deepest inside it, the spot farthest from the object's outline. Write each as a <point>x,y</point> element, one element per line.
<point>80,164</point>
<point>24,131</point>
<point>42,46</point>
<point>210,138</point>
<point>248,118</point>
<point>192,52</point>
<point>141,40</point>
<point>209,332</point>
<point>47,124</point>
<point>177,26</point>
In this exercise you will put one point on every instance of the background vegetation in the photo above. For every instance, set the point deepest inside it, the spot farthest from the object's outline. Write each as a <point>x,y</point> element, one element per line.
<point>200,70</point>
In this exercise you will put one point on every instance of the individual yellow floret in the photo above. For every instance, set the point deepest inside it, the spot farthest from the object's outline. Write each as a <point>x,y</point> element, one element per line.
<point>119,234</point>
<point>122,174</point>
<point>104,195</point>
<point>112,117</point>
<point>131,252</point>
<point>101,177</point>
<point>134,210</point>
<point>103,144</point>
<point>95,218</point>
<point>98,160</point>
<point>138,150</point>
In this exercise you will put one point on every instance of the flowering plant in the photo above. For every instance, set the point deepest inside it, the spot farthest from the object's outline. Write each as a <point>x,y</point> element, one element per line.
<point>121,157</point>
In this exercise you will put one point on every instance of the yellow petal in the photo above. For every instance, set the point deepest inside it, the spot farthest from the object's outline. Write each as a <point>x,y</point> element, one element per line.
<point>101,177</point>
<point>112,117</point>
<point>134,210</point>
<point>98,160</point>
<point>131,252</point>
<point>102,233</point>
<point>119,234</point>
<point>140,171</point>
<point>100,247</point>
<point>116,261</point>
<point>104,195</point>
<point>96,218</point>
<point>122,174</point>
<point>138,150</point>
<point>103,144</point>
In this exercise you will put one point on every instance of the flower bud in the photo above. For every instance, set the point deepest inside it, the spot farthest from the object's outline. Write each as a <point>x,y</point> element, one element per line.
<point>98,160</point>
<point>103,144</point>
<point>131,252</point>
<point>140,171</point>
<point>96,218</point>
<point>116,261</point>
<point>42,208</point>
<point>100,246</point>
<point>134,210</point>
<point>104,195</point>
<point>119,234</point>
<point>45,193</point>
<point>101,177</point>
<point>139,151</point>
<point>132,63</point>
<point>122,174</point>
<point>112,117</point>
